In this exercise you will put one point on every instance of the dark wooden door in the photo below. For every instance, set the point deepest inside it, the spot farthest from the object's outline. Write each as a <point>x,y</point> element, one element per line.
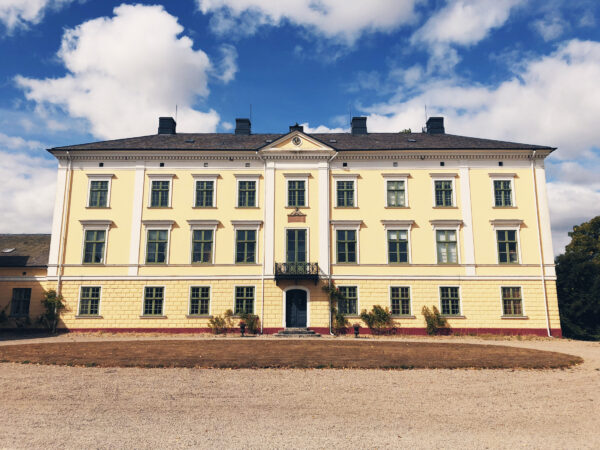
<point>295,308</point>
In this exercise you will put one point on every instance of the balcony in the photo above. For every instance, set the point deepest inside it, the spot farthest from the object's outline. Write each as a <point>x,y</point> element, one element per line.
<point>297,271</point>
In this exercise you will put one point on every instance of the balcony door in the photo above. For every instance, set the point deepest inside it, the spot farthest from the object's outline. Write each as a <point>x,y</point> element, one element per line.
<point>296,247</point>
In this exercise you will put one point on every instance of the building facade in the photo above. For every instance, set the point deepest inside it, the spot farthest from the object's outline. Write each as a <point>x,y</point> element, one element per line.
<point>161,232</point>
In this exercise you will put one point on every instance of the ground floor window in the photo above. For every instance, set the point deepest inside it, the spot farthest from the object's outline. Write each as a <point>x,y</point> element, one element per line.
<point>200,301</point>
<point>348,305</point>
<point>153,301</point>
<point>512,303</point>
<point>89,301</point>
<point>450,301</point>
<point>244,300</point>
<point>400,300</point>
<point>19,305</point>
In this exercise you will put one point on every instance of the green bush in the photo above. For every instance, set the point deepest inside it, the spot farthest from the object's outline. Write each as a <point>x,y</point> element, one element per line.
<point>53,303</point>
<point>379,319</point>
<point>251,321</point>
<point>435,321</point>
<point>339,323</point>
<point>221,324</point>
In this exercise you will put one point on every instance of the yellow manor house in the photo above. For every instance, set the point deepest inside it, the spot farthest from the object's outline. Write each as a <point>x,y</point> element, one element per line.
<point>159,233</point>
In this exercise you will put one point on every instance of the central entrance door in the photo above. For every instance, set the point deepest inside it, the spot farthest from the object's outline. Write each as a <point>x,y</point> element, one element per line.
<point>295,308</point>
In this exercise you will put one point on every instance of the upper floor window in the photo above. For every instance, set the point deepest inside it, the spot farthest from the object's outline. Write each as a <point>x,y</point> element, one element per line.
<point>89,301</point>
<point>512,303</point>
<point>200,300</point>
<point>345,193</point>
<point>159,197</point>
<point>446,244</point>
<point>443,193</point>
<point>245,246</point>
<point>502,193</point>
<point>19,305</point>
<point>202,246</point>
<point>397,246</point>
<point>153,301</point>
<point>348,304</point>
<point>246,193</point>
<point>157,246</point>
<point>296,193</point>
<point>450,301</point>
<point>244,300</point>
<point>346,246</point>
<point>400,300</point>
<point>205,191</point>
<point>396,193</point>
<point>94,246</point>
<point>99,190</point>
<point>507,246</point>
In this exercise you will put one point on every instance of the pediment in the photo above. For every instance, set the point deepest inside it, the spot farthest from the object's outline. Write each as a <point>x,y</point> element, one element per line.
<point>296,141</point>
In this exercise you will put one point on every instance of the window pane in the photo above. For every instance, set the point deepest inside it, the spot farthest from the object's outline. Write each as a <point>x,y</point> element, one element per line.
<point>21,297</point>
<point>160,194</point>
<point>349,303</point>
<point>93,250</point>
<point>449,300</point>
<point>204,194</point>
<point>400,301</point>
<point>153,301</point>
<point>89,302</point>
<point>200,300</point>
<point>98,194</point>
<point>244,299</point>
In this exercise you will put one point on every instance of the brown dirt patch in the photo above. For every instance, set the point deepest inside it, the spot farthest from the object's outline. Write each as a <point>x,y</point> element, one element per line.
<point>239,353</point>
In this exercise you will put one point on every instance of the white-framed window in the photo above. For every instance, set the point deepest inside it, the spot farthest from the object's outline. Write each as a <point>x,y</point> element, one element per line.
<point>447,241</point>
<point>158,237</point>
<point>396,190</point>
<point>512,302</point>
<point>99,187</point>
<point>508,241</point>
<point>245,248</point>
<point>346,234</point>
<point>89,301</point>
<point>95,241</point>
<point>398,240</point>
<point>153,303</point>
<point>444,189</point>
<point>160,190</point>
<point>450,301</point>
<point>244,299</point>
<point>205,191</point>
<point>246,194</point>
<point>503,189</point>
<point>200,304</point>
<point>297,245</point>
<point>346,190</point>
<point>296,190</point>
<point>203,235</point>
<point>400,301</point>
<point>348,305</point>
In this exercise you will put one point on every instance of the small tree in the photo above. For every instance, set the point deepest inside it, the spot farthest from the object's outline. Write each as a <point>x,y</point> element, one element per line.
<point>434,320</point>
<point>379,319</point>
<point>339,322</point>
<point>252,322</point>
<point>221,324</point>
<point>53,304</point>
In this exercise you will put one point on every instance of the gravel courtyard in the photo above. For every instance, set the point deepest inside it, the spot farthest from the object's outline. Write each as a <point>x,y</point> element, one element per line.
<point>72,407</point>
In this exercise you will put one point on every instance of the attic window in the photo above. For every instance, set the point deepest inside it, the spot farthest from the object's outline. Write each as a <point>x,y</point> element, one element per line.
<point>8,250</point>
<point>189,141</point>
<point>268,141</point>
<point>333,141</point>
<point>412,140</point>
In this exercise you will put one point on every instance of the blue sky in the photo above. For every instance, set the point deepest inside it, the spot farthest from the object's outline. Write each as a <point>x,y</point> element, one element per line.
<point>76,71</point>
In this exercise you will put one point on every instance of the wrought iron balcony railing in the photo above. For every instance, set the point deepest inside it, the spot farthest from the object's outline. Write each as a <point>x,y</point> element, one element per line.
<point>297,271</point>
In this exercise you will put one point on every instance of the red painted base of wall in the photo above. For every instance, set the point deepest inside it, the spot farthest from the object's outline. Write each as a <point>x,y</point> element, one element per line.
<point>556,332</point>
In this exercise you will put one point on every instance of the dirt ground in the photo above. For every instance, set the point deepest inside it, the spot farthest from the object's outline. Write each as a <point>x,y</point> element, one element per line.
<point>76,407</point>
<point>296,353</point>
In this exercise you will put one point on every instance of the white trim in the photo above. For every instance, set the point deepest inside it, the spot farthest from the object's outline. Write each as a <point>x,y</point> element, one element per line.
<point>136,219</point>
<point>510,226</point>
<point>467,212</point>
<point>246,177</point>
<point>350,176</point>
<point>357,298</point>
<point>523,314</point>
<point>78,313</point>
<point>163,314</point>
<point>208,177</point>
<point>57,220</point>
<point>203,225</point>
<point>301,288</point>
<point>397,224</point>
<point>444,177</point>
<point>460,308</point>
<point>95,225</point>
<point>158,225</point>
<point>160,177</point>
<point>410,301</point>
<point>269,216</point>
<point>324,235</point>
<point>345,177</point>
<point>446,225</point>
<point>99,177</point>
<point>299,177</point>
<point>235,286</point>
<point>400,177</point>
<point>285,230</point>
<point>503,177</point>
<point>408,243</point>
<point>544,215</point>
<point>347,225</point>
<point>247,223</point>
<point>210,296</point>
<point>506,223</point>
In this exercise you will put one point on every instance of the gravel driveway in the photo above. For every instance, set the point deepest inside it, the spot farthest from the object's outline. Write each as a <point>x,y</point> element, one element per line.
<point>68,407</point>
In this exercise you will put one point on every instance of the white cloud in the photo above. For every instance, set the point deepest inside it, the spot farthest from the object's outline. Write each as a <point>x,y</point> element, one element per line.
<point>19,13</point>
<point>27,193</point>
<point>127,70</point>
<point>550,27</point>
<point>323,129</point>
<point>339,19</point>
<point>18,143</point>
<point>227,67</point>
<point>462,23</point>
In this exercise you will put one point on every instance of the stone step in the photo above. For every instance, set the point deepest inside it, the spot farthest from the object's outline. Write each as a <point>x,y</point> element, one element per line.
<point>297,332</point>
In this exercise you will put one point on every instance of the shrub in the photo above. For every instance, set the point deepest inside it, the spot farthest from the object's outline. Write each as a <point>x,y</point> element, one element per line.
<point>221,324</point>
<point>53,303</point>
<point>435,321</point>
<point>379,319</point>
<point>251,321</point>
<point>339,323</point>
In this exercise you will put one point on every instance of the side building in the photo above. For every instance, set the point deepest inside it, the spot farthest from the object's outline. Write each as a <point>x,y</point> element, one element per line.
<point>160,232</point>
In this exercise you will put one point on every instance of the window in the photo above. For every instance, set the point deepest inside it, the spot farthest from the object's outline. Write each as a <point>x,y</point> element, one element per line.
<point>443,193</point>
<point>19,305</point>
<point>296,246</point>
<point>202,243</point>
<point>245,246</point>
<point>160,193</point>
<point>89,301</point>
<point>98,194</point>
<point>400,300</point>
<point>153,301</point>
<point>346,246</point>
<point>94,245</point>
<point>296,193</point>
<point>397,246</point>
<point>446,246</point>
<point>246,193</point>
<point>348,305</point>
<point>502,193</point>
<point>396,196</point>
<point>450,301</point>
<point>205,190</point>
<point>507,246</point>
<point>512,303</point>
<point>200,301</point>
<point>157,246</point>
<point>345,193</point>
<point>244,300</point>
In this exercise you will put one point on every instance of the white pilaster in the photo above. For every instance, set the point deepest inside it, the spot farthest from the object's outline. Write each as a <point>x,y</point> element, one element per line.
<point>136,218</point>
<point>540,176</point>
<point>269,226</point>
<point>324,241</point>
<point>57,219</point>
<point>467,214</point>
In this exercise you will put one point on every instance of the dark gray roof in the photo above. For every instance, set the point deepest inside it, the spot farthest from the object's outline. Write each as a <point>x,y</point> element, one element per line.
<point>338,141</point>
<point>30,250</point>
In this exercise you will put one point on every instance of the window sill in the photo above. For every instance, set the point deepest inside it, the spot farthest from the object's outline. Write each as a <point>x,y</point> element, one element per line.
<point>204,207</point>
<point>504,207</point>
<point>452,316</point>
<point>93,264</point>
<point>247,207</point>
<point>202,264</point>
<point>399,264</point>
<point>397,207</point>
<point>445,207</point>
<point>346,264</point>
<point>448,264</point>
<point>97,207</point>
<point>515,317</point>
<point>151,264</point>
<point>152,317</point>
<point>345,207</point>
<point>296,207</point>
<point>160,207</point>
<point>83,316</point>
<point>198,316</point>
<point>401,316</point>
<point>247,264</point>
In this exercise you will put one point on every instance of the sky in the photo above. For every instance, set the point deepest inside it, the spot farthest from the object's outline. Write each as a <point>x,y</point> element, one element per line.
<point>76,71</point>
